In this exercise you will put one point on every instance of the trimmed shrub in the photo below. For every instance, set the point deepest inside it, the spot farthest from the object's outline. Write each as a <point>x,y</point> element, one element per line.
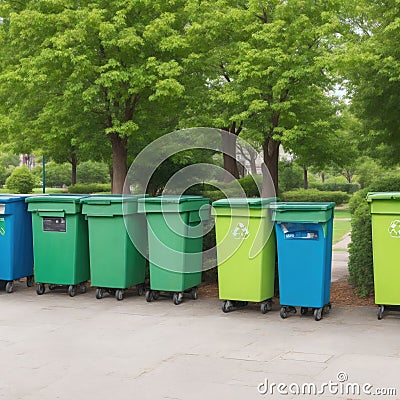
<point>360,250</point>
<point>349,188</point>
<point>315,195</point>
<point>89,188</point>
<point>21,180</point>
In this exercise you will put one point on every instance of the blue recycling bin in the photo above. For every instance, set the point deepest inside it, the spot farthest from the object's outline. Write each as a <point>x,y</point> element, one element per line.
<point>304,240</point>
<point>16,249</point>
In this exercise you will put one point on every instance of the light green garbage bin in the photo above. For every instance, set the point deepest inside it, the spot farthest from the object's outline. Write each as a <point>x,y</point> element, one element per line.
<point>116,263</point>
<point>60,242</point>
<point>246,251</point>
<point>175,235</point>
<point>385,211</point>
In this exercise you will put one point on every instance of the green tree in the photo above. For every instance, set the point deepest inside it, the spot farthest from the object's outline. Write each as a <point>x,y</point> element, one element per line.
<point>269,65</point>
<point>93,172</point>
<point>371,62</point>
<point>90,69</point>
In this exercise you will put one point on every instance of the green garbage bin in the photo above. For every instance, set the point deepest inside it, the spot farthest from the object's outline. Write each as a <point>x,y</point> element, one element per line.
<point>175,235</point>
<point>115,263</point>
<point>60,243</point>
<point>385,211</point>
<point>245,252</point>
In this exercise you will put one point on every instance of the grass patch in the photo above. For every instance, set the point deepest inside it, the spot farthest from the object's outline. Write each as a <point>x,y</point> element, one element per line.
<point>340,228</point>
<point>342,214</point>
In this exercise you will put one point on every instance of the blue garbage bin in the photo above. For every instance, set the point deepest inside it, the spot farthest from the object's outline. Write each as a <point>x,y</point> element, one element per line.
<point>304,241</point>
<point>16,249</point>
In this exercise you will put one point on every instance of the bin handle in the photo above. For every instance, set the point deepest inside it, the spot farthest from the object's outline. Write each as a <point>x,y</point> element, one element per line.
<point>51,213</point>
<point>99,202</point>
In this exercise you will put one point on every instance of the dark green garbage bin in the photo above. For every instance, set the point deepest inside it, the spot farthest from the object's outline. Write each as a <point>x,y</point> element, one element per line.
<point>175,233</point>
<point>115,263</point>
<point>60,243</point>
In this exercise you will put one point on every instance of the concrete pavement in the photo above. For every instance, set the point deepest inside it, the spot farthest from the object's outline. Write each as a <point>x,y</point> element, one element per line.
<point>340,258</point>
<point>57,347</point>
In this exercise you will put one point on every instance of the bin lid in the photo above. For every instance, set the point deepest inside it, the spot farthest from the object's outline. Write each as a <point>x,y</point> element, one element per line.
<point>240,202</point>
<point>302,206</point>
<point>383,196</point>
<point>171,199</point>
<point>56,198</point>
<point>109,199</point>
<point>10,198</point>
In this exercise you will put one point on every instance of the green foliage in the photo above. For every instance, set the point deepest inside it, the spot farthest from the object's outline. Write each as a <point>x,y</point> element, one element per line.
<point>84,188</point>
<point>290,176</point>
<point>360,249</point>
<point>251,185</point>
<point>315,195</point>
<point>57,175</point>
<point>349,188</point>
<point>20,181</point>
<point>92,172</point>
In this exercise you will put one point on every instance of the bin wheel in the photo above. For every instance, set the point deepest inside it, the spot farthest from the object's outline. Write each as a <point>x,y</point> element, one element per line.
<point>194,293</point>
<point>318,314</point>
<point>9,287</point>
<point>283,313</point>
<point>29,281</point>
<point>177,298</point>
<point>52,287</point>
<point>292,309</point>
<point>155,294</point>
<point>83,288</point>
<point>227,306</point>
<point>99,293</point>
<point>141,290</point>
<point>327,308</point>
<point>149,296</point>
<point>119,294</point>
<point>303,310</point>
<point>266,306</point>
<point>381,309</point>
<point>72,290</point>
<point>40,288</point>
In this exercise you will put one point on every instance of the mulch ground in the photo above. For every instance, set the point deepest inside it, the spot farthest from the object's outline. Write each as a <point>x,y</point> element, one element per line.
<point>342,294</point>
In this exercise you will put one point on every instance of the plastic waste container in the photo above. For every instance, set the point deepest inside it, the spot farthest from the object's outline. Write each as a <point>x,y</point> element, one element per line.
<point>16,254</point>
<point>115,263</point>
<point>60,242</point>
<point>246,249</point>
<point>304,241</point>
<point>385,211</point>
<point>175,237</point>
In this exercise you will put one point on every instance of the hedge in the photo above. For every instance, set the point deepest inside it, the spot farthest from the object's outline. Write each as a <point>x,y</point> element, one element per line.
<point>89,188</point>
<point>360,248</point>
<point>349,188</point>
<point>315,195</point>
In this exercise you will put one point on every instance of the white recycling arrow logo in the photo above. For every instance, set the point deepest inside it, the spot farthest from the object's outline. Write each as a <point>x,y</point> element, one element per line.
<point>394,229</point>
<point>240,231</point>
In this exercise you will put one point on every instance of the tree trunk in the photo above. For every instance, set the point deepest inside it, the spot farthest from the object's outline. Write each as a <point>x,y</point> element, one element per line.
<point>120,156</point>
<point>229,155</point>
<point>271,158</point>
<point>323,177</point>
<point>305,177</point>
<point>74,164</point>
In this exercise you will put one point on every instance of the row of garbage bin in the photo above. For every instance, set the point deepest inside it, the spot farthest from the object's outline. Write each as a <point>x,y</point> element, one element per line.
<point>107,238</point>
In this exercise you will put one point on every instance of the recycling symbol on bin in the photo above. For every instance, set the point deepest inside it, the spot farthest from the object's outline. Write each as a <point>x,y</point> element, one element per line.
<point>241,231</point>
<point>394,229</point>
